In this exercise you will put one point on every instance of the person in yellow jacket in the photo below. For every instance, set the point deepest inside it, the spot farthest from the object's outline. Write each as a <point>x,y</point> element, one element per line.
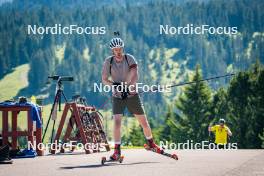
<point>221,132</point>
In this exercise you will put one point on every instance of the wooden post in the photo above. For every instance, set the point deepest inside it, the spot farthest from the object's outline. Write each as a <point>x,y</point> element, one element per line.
<point>30,133</point>
<point>5,127</point>
<point>14,130</point>
<point>40,152</point>
<point>30,127</point>
<point>63,118</point>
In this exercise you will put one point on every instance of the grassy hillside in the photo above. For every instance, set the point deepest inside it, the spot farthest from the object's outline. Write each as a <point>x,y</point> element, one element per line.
<point>13,82</point>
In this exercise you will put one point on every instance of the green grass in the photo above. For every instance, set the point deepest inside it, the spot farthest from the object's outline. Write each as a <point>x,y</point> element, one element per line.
<point>127,122</point>
<point>10,85</point>
<point>13,82</point>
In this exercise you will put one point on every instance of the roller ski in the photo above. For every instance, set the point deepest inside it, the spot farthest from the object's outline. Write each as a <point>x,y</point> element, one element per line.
<point>156,149</point>
<point>113,158</point>
<point>116,157</point>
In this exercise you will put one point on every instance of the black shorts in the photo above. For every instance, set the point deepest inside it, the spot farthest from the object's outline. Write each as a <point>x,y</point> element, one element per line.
<point>133,104</point>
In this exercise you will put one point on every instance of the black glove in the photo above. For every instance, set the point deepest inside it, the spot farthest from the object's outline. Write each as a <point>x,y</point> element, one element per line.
<point>125,94</point>
<point>119,88</point>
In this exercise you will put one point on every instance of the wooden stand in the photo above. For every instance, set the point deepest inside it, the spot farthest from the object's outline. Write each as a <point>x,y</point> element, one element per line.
<point>76,118</point>
<point>30,133</point>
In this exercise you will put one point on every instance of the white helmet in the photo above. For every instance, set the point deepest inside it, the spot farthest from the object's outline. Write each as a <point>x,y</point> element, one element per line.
<point>116,43</point>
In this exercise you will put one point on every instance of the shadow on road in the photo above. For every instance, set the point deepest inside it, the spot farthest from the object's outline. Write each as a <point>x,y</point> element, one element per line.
<point>107,164</point>
<point>69,153</point>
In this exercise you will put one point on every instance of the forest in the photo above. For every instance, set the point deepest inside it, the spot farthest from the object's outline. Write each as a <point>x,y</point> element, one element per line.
<point>162,59</point>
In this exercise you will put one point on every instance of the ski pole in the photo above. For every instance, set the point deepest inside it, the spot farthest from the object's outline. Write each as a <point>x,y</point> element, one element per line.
<point>192,82</point>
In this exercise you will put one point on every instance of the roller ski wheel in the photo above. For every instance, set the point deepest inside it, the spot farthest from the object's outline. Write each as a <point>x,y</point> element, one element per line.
<point>162,152</point>
<point>121,159</point>
<point>104,160</point>
<point>174,156</point>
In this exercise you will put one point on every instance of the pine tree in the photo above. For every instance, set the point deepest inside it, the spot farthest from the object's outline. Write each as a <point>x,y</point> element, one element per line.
<point>262,139</point>
<point>195,105</point>
<point>220,106</point>
<point>38,71</point>
<point>246,101</point>
<point>136,136</point>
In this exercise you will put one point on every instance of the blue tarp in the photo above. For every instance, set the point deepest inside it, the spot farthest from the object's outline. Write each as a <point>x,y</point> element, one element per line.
<point>34,113</point>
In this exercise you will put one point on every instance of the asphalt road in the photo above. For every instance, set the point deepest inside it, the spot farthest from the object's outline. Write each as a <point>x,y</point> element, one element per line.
<point>143,163</point>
